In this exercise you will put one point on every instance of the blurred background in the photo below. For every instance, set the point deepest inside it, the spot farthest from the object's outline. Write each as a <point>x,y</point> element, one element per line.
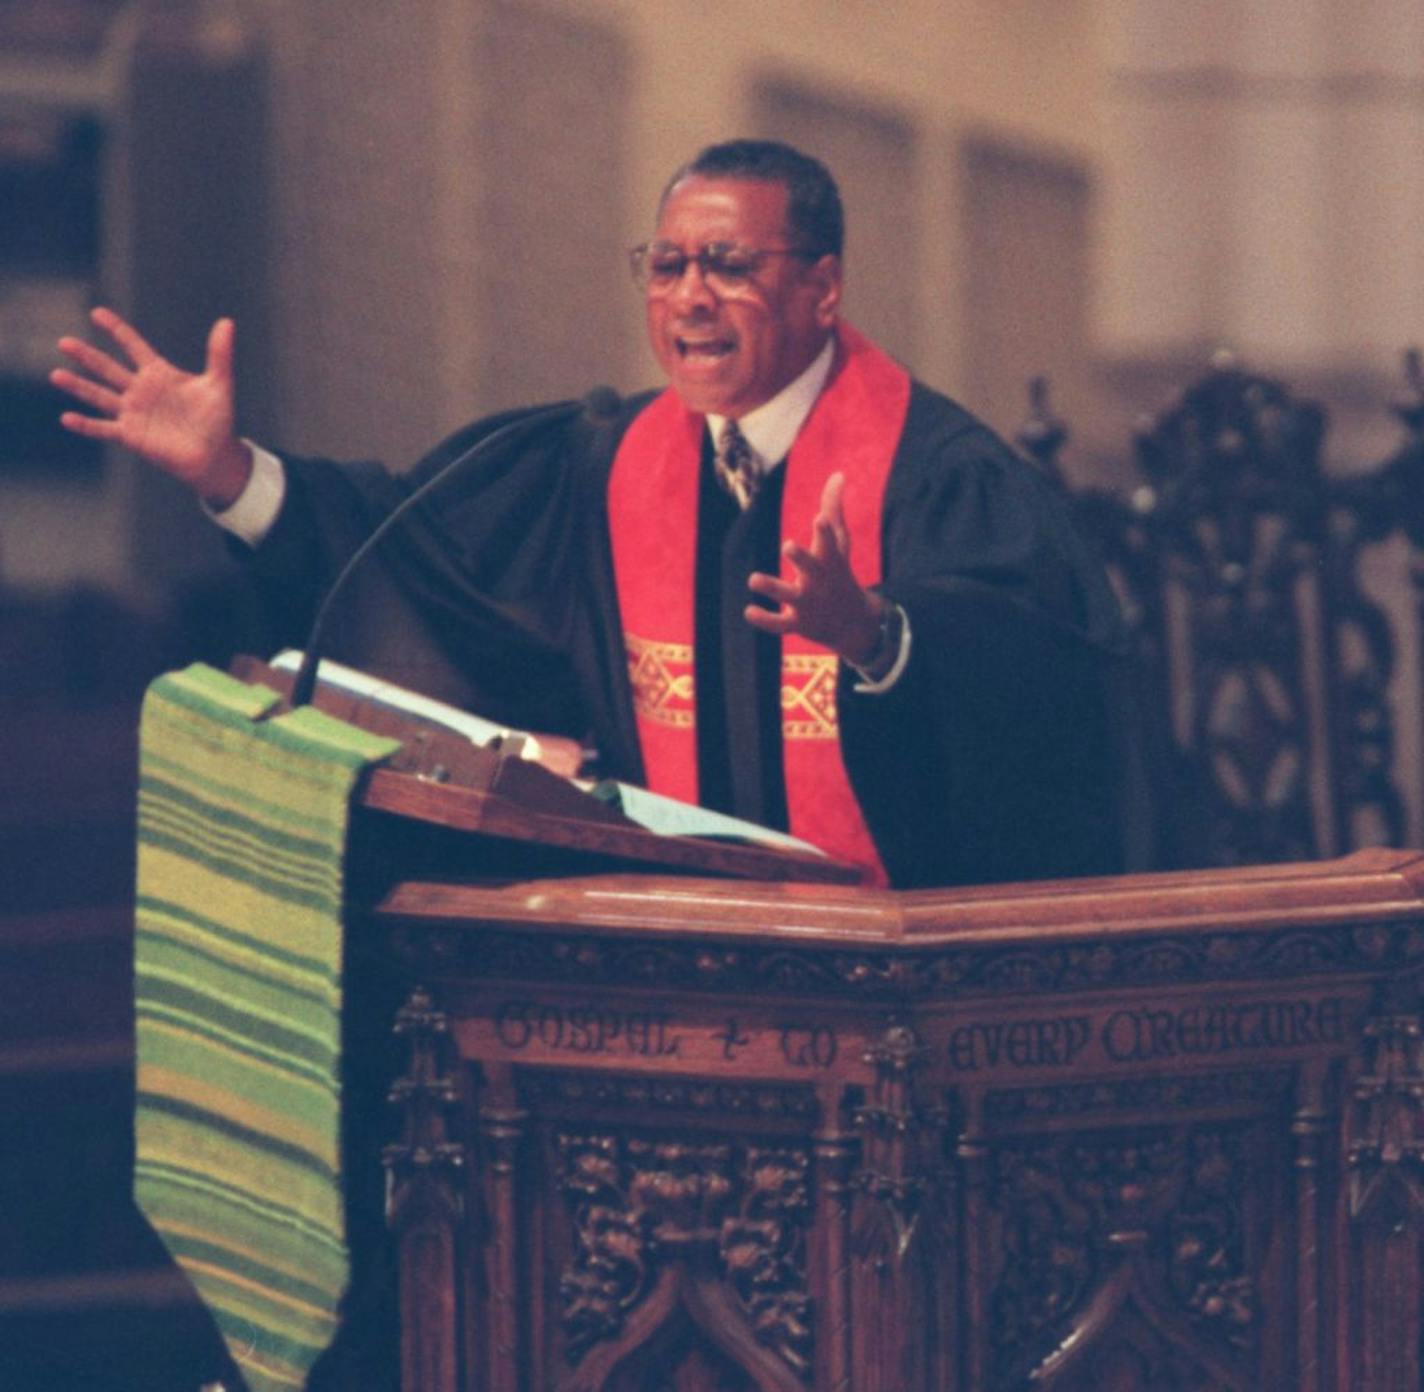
<point>417,212</point>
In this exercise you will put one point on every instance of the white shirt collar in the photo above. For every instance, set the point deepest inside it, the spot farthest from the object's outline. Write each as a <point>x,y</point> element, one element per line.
<point>772,427</point>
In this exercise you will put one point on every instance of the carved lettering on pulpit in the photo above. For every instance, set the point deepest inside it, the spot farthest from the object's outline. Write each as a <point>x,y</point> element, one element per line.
<point>732,1040</point>
<point>809,1046</point>
<point>1145,1032</point>
<point>1138,1034</point>
<point>1052,1043</point>
<point>585,1029</point>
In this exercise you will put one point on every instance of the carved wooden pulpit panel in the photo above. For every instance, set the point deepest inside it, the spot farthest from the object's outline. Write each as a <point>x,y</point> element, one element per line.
<point>1158,1132</point>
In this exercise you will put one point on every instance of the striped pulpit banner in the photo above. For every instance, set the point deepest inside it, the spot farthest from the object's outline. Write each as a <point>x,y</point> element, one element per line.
<point>242,839</point>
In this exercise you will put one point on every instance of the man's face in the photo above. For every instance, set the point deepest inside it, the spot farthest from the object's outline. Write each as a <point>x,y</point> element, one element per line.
<point>727,350</point>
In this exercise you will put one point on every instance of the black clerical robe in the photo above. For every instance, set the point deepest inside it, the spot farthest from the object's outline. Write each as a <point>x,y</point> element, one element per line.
<point>997,755</point>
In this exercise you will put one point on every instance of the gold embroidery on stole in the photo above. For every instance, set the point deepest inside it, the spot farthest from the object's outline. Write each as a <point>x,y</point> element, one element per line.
<point>808,696</point>
<point>661,674</point>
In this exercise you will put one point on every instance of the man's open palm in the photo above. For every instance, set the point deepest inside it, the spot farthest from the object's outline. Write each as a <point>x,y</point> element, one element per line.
<point>183,422</point>
<point>821,598</point>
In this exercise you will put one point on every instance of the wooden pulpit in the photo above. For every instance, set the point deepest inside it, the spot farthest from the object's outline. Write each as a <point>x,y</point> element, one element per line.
<point>662,1132</point>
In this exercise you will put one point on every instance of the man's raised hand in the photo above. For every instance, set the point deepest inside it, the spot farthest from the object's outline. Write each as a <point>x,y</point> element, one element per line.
<point>822,600</point>
<point>183,422</point>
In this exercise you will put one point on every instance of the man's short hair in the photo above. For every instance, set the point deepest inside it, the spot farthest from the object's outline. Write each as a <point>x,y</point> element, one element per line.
<point>814,215</point>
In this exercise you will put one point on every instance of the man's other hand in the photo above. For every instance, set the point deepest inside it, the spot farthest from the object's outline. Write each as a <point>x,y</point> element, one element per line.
<point>180,421</point>
<point>821,598</point>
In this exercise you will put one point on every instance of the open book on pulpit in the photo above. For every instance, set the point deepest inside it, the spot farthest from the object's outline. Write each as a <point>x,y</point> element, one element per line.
<point>461,771</point>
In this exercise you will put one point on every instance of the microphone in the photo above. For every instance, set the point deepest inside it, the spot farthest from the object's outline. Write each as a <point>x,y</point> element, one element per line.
<point>599,406</point>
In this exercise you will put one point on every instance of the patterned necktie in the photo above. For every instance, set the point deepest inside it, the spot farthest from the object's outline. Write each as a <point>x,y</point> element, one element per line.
<point>736,465</point>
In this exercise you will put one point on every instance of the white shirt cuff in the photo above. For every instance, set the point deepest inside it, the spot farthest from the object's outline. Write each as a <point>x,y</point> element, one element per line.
<point>875,688</point>
<point>254,512</point>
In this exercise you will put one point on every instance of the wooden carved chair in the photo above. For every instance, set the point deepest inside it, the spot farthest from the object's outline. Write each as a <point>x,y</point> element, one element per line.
<point>1265,666</point>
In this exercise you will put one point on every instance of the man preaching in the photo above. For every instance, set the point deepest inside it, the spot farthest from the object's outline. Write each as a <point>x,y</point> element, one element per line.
<point>796,585</point>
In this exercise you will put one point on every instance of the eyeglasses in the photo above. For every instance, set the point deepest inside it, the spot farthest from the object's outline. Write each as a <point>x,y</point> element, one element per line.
<point>727,268</point>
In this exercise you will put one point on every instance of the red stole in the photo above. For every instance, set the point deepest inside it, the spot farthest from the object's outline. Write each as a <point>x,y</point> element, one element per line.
<point>853,428</point>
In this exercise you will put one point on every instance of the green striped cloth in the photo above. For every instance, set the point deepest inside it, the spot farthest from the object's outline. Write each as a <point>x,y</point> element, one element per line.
<point>242,835</point>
